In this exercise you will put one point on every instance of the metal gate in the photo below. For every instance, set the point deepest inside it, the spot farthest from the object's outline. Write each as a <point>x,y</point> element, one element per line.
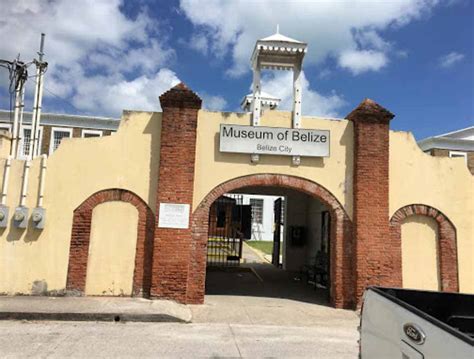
<point>228,226</point>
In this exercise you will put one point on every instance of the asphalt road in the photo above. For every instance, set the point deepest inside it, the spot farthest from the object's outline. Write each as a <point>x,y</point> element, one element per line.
<point>164,340</point>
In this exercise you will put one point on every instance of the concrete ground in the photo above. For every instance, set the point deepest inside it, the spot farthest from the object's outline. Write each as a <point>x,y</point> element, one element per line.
<point>262,294</point>
<point>172,340</point>
<point>254,312</point>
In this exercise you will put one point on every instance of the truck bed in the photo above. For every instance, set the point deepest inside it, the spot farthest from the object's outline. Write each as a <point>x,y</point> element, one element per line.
<point>453,312</point>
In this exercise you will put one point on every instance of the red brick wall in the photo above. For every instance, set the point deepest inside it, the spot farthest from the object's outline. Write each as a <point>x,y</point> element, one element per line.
<point>172,247</point>
<point>447,247</point>
<point>80,240</point>
<point>373,262</point>
<point>341,292</point>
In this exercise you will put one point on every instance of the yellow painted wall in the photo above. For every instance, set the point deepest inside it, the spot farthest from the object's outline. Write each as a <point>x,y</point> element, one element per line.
<point>129,159</point>
<point>112,249</point>
<point>213,168</point>
<point>80,167</point>
<point>443,183</point>
<point>420,264</point>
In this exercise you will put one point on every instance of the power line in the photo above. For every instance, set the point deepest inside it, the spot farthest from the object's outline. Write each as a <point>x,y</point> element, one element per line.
<point>59,97</point>
<point>18,74</point>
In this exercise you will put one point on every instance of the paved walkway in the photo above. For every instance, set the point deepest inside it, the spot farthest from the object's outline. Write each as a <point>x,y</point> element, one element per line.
<point>254,312</point>
<point>255,293</point>
<point>172,340</point>
<point>252,255</point>
<point>259,293</point>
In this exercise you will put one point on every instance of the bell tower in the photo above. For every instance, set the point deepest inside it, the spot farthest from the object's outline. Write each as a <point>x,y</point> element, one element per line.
<point>277,52</point>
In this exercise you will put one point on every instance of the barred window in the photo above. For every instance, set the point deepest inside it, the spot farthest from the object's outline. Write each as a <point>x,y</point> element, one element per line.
<point>91,133</point>
<point>257,210</point>
<point>58,135</point>
<point>25,150</point>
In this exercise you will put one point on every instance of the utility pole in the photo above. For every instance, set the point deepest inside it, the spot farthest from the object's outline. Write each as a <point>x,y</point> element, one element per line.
<point>21,75</point>
<point>35,121</point>
<point>18,74</point>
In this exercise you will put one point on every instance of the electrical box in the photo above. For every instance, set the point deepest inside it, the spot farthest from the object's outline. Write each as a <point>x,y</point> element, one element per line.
<point>3,216</point>
<point>38,217</point>
<point>20,218</point>
<point>297,236</point>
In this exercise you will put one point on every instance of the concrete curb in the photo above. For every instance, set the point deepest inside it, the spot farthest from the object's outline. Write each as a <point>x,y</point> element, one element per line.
<point>93,317</point>
<point>99,309</point>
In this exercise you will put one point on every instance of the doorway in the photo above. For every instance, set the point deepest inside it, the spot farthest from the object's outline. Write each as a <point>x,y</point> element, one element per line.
<point>267,242</point>
<point>341,273</point>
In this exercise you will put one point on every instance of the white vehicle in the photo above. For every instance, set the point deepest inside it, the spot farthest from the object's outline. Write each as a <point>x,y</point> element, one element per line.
<point>415,324</point>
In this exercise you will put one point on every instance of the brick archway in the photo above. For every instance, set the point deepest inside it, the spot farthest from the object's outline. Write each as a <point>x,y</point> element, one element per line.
<point>447,247</point>
<point>342,286</point>
<point>80,240</point>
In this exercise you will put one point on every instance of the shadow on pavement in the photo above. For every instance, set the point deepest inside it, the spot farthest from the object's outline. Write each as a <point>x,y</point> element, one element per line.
<point>262,280</point>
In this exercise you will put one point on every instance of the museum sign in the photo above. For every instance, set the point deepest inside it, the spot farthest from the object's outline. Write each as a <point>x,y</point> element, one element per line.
<point>274,141</point>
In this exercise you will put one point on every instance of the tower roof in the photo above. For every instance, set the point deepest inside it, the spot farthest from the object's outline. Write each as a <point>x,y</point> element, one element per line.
<point>278,52</point>
<point>279,37</point>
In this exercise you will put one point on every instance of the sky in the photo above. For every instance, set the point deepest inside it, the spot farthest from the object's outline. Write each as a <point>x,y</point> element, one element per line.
<point>414,57</point>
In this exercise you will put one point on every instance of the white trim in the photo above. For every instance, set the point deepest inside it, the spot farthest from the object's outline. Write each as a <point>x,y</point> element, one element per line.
<point>454,154</point>
<point>6,126</point>
<point>21,154</point>
<point>454,132</point>
<point>91,132</point>
<point>51,119</point>
<point>57,129</point>
<point>444,143</point>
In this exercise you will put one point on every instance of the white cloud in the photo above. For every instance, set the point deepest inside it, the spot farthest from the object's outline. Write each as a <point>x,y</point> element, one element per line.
<point>212,103</point>
<point>199,43</point>
<point>279,84</point>
<point>450,59</point>
<point>331,28</point>
<point>100,60</point>
<point>141,93</point>
<point>324,74</point>
<point>362,61</point>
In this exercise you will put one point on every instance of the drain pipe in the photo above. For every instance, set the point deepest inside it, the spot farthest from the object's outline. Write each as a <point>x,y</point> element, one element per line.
<point>24,187</point>
<point>6,176</point>
<point>3,202</point>
<point>44,160</point>
<point>20,219</point>
<point>39,213</point>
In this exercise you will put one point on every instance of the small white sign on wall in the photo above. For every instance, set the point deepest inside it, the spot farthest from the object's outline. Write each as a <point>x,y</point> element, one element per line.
<point>174,215</point>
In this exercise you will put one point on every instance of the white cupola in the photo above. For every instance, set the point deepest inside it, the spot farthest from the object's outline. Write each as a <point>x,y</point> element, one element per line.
<point>267,102</point>
<point>277,52</point>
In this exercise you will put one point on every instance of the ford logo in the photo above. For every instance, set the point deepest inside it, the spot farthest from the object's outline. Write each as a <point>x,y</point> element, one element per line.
<point>415,333</point>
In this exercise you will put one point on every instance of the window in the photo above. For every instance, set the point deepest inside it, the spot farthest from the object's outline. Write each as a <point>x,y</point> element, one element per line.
<point>24,146</point>
<point>458,154</point>
<point>57,135</point>
<point>91,133</point>
<point>5,126</point>
<point>257,210</point>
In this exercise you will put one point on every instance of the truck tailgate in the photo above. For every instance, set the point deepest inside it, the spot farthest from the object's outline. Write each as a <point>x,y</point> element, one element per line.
<point>391,330</point>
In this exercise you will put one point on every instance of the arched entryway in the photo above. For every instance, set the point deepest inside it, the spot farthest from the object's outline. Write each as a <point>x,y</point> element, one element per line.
<point>81,234</point>
<point>446,246</point>
<point>341,270</point>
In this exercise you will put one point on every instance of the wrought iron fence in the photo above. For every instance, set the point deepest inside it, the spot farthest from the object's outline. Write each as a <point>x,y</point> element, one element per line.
<point>225,238</point>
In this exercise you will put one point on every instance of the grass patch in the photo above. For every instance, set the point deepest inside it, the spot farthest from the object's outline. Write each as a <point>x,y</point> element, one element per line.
<point>264,246</point>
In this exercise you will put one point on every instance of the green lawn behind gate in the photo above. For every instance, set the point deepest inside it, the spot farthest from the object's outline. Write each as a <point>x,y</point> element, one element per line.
<point>264,246</point>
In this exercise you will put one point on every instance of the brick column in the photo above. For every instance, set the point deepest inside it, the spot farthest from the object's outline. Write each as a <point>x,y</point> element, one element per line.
<point>171,253</point>
<point>372,261</point>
